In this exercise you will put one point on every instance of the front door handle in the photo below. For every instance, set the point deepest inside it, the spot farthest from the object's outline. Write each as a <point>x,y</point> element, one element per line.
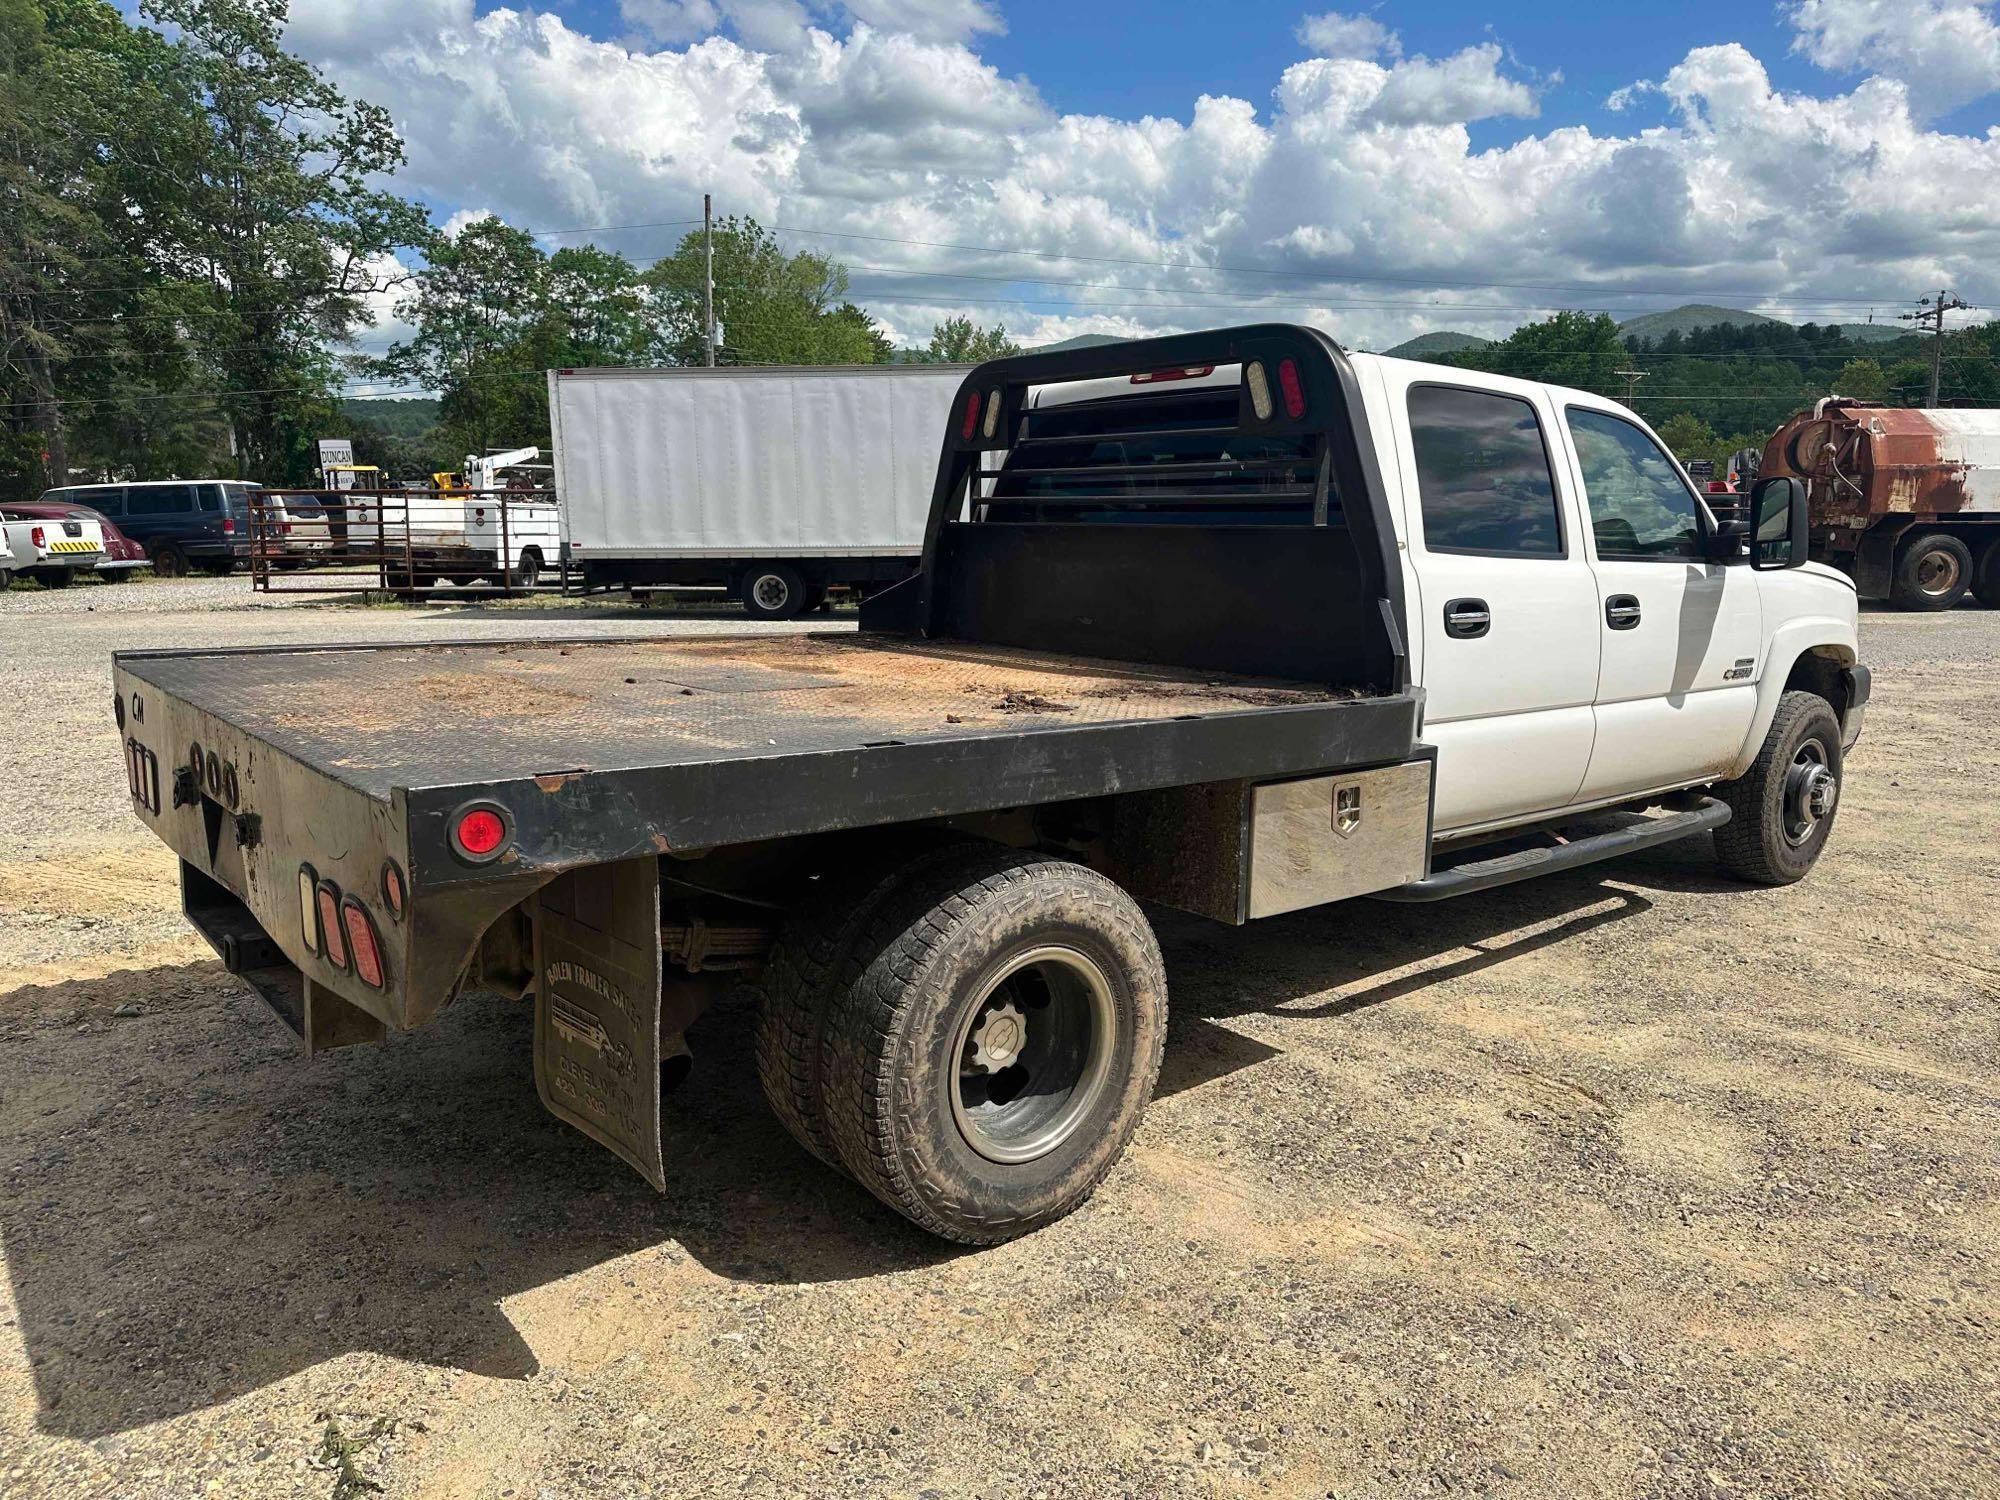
<point>1466,618</point>
<point>1621,611</point>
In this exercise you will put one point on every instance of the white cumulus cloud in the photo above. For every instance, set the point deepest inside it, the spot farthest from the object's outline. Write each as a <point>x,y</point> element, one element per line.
<point>1946,51</point>
<point>1355,176</point>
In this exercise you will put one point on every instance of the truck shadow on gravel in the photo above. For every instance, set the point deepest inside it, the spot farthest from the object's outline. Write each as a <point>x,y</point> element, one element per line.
<point>192,1212</point>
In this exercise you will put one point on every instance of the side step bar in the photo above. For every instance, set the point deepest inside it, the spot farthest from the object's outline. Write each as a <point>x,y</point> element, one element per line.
<point>1524,864</point>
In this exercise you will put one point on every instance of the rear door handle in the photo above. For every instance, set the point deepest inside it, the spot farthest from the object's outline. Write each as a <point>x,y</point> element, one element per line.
<point>1621,611</point>
<point>1466,618</point>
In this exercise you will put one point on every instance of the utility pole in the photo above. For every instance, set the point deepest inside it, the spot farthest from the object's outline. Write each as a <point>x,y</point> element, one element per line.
<point>708,280</point>
<point>1930,313</point>
<point>1631,379</point>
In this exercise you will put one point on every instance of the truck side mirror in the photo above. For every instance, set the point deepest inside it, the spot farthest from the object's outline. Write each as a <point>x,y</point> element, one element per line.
<point>1779,523</point>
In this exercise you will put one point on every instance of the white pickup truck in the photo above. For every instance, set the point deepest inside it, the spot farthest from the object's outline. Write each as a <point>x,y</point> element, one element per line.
<point>53,552</point>
<point>1232,622</point>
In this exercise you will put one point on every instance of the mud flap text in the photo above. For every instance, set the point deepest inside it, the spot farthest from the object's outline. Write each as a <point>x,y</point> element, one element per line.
<point>597,1007</point>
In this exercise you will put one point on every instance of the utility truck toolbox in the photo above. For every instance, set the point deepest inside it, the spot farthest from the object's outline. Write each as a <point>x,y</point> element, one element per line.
<point>1163,646</point>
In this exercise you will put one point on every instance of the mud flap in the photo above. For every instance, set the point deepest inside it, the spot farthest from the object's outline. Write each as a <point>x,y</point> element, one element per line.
<point>597,1007</point>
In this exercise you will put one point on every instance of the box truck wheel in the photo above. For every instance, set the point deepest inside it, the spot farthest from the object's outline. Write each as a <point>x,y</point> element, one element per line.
<point>773,591</point>
<point>529,573</point>
<point>1986,573</point>
<point>1933,571</point>
<point>991,1041</point>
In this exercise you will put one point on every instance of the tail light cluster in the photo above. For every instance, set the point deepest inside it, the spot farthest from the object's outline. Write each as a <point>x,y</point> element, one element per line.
<point>39,538</point>
<point>1291,389</point>
<point>339,929</point>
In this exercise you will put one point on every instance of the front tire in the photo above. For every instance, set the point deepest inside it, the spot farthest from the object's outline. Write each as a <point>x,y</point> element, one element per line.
<point>1933,572</point>
<point>773,591</point>
<point>992,1040</point>
<point>1783,807</point>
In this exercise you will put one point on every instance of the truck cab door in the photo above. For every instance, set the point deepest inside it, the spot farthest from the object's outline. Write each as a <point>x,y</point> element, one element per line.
<point>1677,684</point>
<point>1509,655</point>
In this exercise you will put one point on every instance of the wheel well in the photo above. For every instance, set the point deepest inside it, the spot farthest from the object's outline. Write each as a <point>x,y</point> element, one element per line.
<point>1821,670</point>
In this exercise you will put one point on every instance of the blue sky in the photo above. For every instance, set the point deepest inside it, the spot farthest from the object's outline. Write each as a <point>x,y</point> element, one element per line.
<point>1401,167</point>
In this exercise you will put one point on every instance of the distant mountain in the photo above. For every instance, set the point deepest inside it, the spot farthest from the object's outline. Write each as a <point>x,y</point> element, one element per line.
<point>1685,320</point>
<point>1431,345</point>
<point>1873,333</point>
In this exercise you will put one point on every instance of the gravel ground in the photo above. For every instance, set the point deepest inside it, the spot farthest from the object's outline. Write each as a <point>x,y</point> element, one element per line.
<point>1627,1182</point>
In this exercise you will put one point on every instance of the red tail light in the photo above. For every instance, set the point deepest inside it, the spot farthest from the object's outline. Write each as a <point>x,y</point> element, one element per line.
<point>285,528</point>
<point>330,931</point>
<point>228,526</point>
<point>1180,372</point>
<point>361,942</point>
<point>39,538</point>
<point>971,423</point>
<point>479,833</point>
<point>1294,393</point>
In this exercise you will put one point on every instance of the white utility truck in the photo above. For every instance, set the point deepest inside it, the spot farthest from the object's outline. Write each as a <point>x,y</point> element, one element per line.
<point>778,484</point>
<point>494,520</point>
<point>1232,622</point>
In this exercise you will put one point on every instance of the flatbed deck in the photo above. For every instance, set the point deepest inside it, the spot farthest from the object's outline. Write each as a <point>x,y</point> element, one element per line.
<point>683,741</point>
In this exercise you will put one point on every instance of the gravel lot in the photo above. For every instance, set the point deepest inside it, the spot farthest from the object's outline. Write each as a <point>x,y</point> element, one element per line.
<point>1629,1182</point>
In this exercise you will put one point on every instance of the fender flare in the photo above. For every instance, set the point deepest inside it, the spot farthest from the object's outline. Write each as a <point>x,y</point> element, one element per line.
<point>1822,635</point>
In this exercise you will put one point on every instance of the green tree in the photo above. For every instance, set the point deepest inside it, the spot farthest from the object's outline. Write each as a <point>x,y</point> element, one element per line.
<point>278,228</point>
<point>477,307</point>
<point>958,341</point>
<point>1687,436</point>
<point>1570,348</point>
<point>1863,379</point>
<point>771,308</point>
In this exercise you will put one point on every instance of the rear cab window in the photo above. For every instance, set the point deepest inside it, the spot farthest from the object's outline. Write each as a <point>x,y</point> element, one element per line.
<point>1484,477</point>
<point>1156,457</point>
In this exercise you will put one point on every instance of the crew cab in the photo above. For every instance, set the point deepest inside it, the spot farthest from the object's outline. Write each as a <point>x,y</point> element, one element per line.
<point>1233,622</point>
<point>52,550</point>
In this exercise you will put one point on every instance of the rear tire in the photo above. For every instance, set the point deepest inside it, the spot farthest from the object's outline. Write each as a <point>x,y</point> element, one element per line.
<point>1783,807</point>
<point>529,573</point>
<point>797,985</point>
<point>169,561</point>
<point>993,1038</point>
<point>1933,572</point>
<point>1986,573</point>
<point>773,591</point>
<point>114,575</point>
<point>53,578</point>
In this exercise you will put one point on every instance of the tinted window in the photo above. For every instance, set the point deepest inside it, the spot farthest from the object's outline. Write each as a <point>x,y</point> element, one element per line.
<point>1639,508</point>
<point>159,499</point>
<point>211,497</point>
<point>104,502</point>
<point>1483,473</point>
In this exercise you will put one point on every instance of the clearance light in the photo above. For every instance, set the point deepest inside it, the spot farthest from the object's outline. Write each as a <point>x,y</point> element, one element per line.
<point>992,412</point>
<point>361,942</point>
<point>479,833</point>
<point>1260,390</point>
<point>393,893</point>
<point>1288,382</point>
<point>971,423</point>
<point>328,901</point>
<point>309,907</point>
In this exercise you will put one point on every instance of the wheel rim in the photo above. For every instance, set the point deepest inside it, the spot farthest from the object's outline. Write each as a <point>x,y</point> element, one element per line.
<point>771,592</point>
<point>1938,573</point>
<point>1811,792</point>
<point>1033,1054</point>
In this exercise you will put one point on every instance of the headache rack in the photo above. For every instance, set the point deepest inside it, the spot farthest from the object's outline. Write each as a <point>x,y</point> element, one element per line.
<point>1206,500</point>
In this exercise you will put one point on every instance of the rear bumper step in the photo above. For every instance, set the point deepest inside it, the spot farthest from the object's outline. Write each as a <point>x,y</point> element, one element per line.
<point>1505,869</point>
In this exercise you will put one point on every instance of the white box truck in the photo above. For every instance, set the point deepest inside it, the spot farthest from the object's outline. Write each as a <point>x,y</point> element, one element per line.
<point>778,484</point>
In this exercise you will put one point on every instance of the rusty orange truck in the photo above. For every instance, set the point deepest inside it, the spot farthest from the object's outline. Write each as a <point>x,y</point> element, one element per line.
<point>1907,502</point>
